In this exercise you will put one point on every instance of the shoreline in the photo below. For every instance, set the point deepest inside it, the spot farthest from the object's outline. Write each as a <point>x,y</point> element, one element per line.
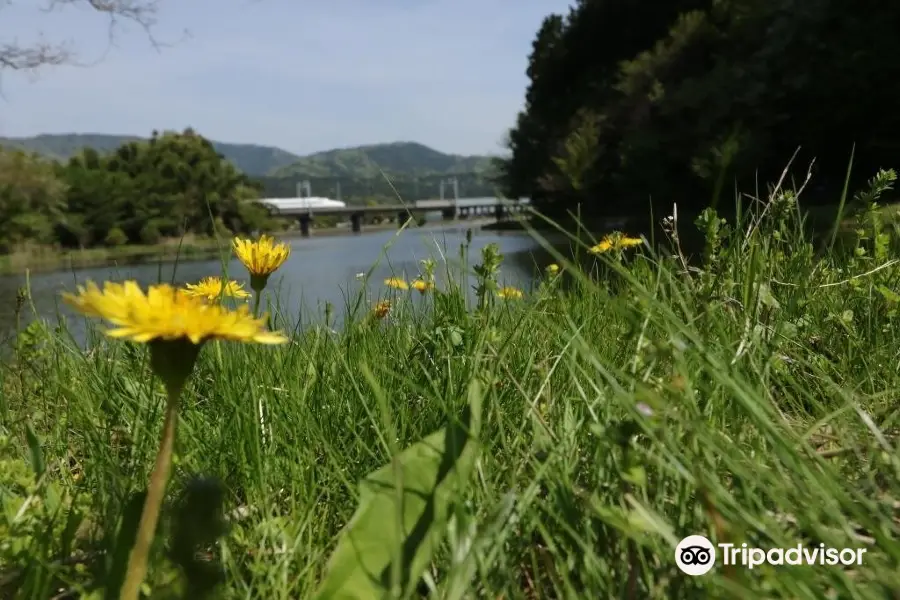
<point>47,260</point>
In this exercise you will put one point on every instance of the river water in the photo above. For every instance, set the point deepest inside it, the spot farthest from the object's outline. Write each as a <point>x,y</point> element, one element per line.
<point>320,270</point>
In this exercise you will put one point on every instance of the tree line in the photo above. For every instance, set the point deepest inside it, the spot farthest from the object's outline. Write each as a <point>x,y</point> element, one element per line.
<point>170,185</point>
<point>632,105</point>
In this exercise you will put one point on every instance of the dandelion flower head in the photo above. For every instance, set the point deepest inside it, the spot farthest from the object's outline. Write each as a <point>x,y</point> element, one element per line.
<point>381,309</point>
<point>422,286</point>
<point>396,283</point>
<point>212,288</point>
<point>167,313</point>
<point>604,246</point>
<point>615,241</point>
<point>262,257</point>
<point>510,293</point>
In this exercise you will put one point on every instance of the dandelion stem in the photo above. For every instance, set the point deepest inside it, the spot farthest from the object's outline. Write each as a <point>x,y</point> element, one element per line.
<point>256,304</point>
<point>137,560</point>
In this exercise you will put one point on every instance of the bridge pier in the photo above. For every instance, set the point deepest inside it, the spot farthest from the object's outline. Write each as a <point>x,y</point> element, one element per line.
<point>499,212</point>
<point>356,222</point>
<point>448,214</point>
<point>305,221</point>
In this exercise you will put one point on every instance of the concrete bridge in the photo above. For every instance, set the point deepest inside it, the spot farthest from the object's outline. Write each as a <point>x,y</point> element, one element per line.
<point>459,208</point>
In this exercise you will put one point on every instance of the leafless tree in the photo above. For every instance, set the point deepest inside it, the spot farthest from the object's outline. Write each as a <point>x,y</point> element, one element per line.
<point>28,57</point>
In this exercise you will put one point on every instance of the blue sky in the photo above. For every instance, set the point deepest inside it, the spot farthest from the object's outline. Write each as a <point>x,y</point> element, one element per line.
<point>301,75</point>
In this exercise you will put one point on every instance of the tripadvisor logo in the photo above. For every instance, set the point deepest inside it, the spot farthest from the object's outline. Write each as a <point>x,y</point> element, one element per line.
<point>696,555</point>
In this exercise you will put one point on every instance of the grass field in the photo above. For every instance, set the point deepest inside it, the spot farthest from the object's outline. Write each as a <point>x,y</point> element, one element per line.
<point>554,446</point>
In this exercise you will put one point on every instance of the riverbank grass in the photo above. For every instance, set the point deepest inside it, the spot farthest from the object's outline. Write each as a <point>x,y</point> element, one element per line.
<point>557,443</point>
<point>36,258</point>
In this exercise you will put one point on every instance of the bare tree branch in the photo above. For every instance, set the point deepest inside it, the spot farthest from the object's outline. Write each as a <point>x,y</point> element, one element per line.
<point>29,57</point>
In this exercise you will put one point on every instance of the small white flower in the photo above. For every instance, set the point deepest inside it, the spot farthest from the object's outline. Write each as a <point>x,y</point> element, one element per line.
<point>678,343</point>
<point>644,409</point>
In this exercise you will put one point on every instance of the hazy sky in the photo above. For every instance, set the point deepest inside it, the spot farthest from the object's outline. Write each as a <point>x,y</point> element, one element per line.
<point>301,75</point>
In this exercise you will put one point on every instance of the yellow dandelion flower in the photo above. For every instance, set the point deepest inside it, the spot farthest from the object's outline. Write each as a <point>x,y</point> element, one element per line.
<point>510,293</point>
<point>553,269</point>
<point>604,246</point>
<point>615,241</point>
<point>628,242</point>
<point>381,309</point>
<point>175,325</point>
<point>165,313</point>
<point>212,288</point>
<point>262,258</point>
<point>422,286</point>
<point>396,283</point>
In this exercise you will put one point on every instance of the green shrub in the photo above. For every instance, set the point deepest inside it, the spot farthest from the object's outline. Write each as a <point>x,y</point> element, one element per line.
<point>115,237</point>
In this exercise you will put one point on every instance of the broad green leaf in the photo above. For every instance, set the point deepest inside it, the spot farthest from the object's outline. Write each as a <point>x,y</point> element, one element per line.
<point>403,511</point>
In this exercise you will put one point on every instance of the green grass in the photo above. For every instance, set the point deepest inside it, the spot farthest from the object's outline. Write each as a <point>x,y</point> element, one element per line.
<point>749,398</point>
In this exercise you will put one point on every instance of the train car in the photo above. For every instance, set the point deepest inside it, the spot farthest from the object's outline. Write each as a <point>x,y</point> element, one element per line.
<point>312,203</point>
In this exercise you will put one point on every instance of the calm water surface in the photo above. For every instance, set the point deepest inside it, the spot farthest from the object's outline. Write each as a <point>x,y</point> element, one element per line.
<point>319,270</point>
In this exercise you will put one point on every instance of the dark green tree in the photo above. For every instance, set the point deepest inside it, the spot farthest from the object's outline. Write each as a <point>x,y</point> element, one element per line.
<point>31,199</point>
<point>690,94</point>
<point>171,185</point>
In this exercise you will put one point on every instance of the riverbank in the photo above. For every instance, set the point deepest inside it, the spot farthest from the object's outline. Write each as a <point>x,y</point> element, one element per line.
<point>38,259</point>
<point>556,444</point>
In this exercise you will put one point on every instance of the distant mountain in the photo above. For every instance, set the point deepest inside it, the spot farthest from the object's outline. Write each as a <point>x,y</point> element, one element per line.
<point>362,162</point>
<point>398,158</point>
<point>250,158</point>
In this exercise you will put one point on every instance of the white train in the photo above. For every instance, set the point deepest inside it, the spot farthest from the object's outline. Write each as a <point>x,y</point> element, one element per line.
<point>312,202</point>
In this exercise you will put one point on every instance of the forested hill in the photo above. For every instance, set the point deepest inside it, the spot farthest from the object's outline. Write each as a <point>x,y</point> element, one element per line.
<point>358,163</point>
<point>400,158</point>
<point>252,159</point>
